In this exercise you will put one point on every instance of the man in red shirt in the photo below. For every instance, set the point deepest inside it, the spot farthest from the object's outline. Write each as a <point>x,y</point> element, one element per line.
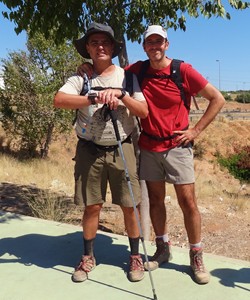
<point>166,146</point>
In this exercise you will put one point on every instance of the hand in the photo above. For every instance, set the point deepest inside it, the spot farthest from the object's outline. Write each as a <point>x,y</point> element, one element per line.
<point>109,97</point>
<point>85,68</point>
<point>185,136</point>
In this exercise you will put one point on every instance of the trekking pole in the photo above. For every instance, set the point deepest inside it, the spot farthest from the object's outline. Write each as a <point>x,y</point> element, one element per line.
<point>113,117</point>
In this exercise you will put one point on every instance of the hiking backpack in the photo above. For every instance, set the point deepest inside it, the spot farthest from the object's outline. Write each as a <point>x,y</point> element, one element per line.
<point>175,76</point>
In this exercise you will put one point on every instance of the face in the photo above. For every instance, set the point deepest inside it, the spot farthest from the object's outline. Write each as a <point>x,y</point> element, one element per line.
<point>155,47</point>
<point>100,46</point>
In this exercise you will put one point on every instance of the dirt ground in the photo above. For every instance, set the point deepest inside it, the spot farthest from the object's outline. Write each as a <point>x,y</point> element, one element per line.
<point>223,201</point>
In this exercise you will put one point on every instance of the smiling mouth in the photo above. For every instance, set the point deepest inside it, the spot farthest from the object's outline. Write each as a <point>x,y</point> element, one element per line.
<point>101,54</point>
<point>154,51</point>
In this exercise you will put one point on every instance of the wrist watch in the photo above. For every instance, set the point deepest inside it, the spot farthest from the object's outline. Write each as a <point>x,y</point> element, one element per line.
<point>123,94</point>
<point>91,98</point>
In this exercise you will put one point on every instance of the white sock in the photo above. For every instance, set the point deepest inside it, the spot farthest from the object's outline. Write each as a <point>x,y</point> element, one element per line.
<point>197,245</point>
<point>163,237</point>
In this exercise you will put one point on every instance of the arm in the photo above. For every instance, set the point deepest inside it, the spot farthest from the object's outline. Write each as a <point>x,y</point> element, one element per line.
<point>69,101</point>
<point>216,102</point>
<point>136,107</point>
<point>111,97</point>
<point>69,97</point>
<point>85,68</point>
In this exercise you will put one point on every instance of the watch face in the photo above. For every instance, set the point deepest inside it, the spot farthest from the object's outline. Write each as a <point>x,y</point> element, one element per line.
<point>92,95</point>
<point>91,98</point>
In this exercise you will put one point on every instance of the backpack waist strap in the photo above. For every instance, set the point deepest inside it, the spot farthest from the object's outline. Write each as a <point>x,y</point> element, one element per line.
<point>161,138</point>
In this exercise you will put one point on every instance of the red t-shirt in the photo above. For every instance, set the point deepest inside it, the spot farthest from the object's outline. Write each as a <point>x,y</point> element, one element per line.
<point>167,111</point>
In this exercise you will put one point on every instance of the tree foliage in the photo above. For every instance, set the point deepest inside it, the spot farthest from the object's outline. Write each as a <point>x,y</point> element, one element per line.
<point>31,79</point>
<point>69,19</point>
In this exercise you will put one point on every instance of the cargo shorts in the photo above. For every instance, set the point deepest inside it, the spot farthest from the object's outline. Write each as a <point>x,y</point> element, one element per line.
<point>95,169</point>
<point>174,166</point>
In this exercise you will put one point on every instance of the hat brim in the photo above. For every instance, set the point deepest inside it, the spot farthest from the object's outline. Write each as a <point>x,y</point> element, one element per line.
<point>80,44</point>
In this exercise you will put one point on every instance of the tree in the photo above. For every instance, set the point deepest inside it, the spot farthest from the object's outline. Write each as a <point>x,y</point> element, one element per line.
<point>31,80</point>
<point>69,19</point>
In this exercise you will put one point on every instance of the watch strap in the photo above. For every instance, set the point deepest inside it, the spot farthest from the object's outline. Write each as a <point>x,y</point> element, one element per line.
<point>123,94</point>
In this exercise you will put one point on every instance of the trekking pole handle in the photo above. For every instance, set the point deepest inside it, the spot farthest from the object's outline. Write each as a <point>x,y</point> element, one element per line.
<point>113,116</point>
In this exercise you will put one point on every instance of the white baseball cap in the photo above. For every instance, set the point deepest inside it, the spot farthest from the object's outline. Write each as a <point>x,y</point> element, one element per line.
<point>155,29</point>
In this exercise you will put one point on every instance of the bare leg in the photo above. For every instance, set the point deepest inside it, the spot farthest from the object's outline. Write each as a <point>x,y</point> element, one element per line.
<point>192,220</point>
<point>158,215</point>
<point>130,222</point>
<point>90,221</point>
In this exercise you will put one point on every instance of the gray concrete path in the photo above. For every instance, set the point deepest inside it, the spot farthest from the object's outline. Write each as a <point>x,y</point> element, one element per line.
<point>37,258</point>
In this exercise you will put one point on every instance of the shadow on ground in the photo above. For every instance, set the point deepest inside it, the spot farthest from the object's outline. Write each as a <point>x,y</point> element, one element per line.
<point>232,278</point>
<point>65,250</point>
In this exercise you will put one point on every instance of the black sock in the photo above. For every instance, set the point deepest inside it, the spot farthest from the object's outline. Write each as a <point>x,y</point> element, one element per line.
<point>88,247</point>
<point>134,245</point>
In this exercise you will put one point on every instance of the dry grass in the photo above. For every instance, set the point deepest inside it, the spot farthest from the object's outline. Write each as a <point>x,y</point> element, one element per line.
<point>53,173</point>
<point>56,172</point>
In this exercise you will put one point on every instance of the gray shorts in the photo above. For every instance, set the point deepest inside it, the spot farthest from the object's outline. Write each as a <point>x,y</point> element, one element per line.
<point>95,169</point>
<point>175,166</point>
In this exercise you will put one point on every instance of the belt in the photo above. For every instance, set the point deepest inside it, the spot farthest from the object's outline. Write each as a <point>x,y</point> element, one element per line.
<point>106,148</point>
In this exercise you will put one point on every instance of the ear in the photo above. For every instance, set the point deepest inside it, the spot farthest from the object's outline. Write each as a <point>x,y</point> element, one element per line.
<point>87,47</point>
<point>166,45</point>
<point>113,48</point>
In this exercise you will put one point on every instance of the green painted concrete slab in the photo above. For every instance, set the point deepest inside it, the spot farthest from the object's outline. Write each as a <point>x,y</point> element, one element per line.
<point>37,258</point>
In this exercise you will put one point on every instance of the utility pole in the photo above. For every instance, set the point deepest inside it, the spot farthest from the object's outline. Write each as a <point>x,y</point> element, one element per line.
<point>219,72</point>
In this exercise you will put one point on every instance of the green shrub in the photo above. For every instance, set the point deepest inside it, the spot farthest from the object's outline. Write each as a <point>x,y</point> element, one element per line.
<point>237,163</point>
<point>243,98</point>
<point>227,96</point>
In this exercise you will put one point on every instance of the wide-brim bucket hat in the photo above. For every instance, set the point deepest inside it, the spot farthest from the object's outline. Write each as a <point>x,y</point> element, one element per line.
<point>94,27</point>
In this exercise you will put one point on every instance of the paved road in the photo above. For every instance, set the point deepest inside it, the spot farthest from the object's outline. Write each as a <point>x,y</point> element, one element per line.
<point>37,258</point>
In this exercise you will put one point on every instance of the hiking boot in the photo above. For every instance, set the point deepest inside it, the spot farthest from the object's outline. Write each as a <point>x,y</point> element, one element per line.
<point>201,275</point>
<point>136,268</point>
<point>86,265</point>
<point>162,255</point>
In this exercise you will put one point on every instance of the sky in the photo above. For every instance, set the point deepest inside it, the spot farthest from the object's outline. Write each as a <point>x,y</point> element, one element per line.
<point>217,48</point>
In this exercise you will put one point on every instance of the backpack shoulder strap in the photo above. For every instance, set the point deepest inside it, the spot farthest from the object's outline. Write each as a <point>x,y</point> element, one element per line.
<point>143,70</point>
<point>129,82</point>
<point>85,86</point>
<point>175,76</point>
<point>85,89</point>
<point>130,90</point>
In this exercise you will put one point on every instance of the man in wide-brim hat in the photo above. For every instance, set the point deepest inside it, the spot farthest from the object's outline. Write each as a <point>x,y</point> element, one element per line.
<point>97,160</point>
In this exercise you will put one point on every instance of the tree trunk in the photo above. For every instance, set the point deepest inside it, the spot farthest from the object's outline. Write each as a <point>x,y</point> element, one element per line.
<point>123,56</point>
<point>45,148</point>
<point>144,211</point>
<point>144,206</point>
